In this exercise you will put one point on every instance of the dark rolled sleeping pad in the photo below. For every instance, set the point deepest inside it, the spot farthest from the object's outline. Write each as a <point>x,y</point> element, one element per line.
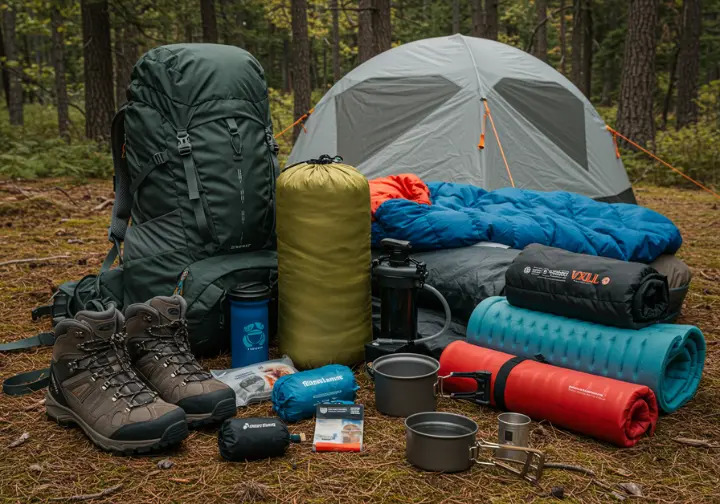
<point>584,287</point>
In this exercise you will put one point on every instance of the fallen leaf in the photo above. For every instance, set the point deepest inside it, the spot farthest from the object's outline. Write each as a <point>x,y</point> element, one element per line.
<point>618,496</point>
<point>35,467</point>
<point>165,464</point>
<point>697,443</point>
<point>621,472</point>
<point>558,492</point>
<point>23,437</point>
<point>179,480</point>
<point>631,488</point>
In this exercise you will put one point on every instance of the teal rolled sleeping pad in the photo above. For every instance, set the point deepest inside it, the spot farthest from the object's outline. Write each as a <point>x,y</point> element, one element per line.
<point>668,358</point>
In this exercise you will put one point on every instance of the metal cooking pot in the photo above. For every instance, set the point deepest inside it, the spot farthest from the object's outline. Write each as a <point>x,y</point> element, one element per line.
<point>446,442</point>
<point>407,383</point>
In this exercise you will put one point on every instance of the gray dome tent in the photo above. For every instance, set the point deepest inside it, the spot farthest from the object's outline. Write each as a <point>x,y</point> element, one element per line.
<point>418,108</point>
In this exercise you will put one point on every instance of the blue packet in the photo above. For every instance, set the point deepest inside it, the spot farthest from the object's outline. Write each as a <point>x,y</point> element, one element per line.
<point>295,396</point>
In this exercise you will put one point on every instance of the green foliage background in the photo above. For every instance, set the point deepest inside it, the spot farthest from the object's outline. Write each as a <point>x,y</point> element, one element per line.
<point>263,27</point>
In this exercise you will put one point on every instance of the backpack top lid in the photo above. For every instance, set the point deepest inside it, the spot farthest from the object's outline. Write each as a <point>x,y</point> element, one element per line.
<point>191,74</point>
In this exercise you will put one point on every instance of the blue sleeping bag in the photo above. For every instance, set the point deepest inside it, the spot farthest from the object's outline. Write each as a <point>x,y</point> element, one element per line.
<point>295,396</point>
<point>668,358</point>
<point>462,215</point>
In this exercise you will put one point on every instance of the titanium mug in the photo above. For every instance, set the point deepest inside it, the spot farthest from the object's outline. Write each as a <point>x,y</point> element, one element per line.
<point>513,430</point>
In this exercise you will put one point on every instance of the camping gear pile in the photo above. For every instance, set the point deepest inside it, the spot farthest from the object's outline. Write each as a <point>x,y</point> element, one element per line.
<point>221,251</point>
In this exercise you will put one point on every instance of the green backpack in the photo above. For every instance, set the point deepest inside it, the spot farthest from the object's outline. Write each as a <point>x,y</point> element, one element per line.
<point>195,167</point>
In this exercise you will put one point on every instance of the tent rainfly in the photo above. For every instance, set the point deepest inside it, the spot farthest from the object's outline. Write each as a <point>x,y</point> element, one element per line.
<point>468,110</point>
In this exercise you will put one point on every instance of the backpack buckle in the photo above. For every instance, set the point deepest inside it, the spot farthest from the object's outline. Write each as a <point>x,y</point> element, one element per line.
<point>184,146</point>
<point>160,157</point>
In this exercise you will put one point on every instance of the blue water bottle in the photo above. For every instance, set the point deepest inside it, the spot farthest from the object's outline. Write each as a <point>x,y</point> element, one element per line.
<point>249,323</point>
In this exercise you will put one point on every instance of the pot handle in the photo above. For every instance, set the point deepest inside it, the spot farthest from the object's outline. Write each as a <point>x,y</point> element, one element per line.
<point>370,371</point>
<point>531,470</point>
<point>481,394</point>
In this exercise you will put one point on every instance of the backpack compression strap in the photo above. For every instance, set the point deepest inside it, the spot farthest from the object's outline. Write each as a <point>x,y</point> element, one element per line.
<point>25,383</point>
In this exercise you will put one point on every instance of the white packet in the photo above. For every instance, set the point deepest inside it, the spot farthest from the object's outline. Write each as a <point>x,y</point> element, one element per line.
<point>255,383</point>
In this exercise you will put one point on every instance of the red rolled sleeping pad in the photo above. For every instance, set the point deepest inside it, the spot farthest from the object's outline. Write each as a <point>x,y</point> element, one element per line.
<point>603,408</point>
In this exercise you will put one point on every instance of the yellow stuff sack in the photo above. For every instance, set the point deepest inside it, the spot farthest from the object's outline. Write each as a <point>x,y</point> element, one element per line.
<point>323,232</point>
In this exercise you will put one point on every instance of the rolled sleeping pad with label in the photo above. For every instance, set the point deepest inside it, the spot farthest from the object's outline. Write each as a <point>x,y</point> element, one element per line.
<point>323,234</point>
<point>610,410</point>
<point>295,396</point>
<point>668,358</point>
<point>584,287</point>
<point>249,323</point>
<point>243,439</point>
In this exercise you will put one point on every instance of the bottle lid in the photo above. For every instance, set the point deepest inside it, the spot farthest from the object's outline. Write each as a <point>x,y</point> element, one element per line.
<point>254,291</point>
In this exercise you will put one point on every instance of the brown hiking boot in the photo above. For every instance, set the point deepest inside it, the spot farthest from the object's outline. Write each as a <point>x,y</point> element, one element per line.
<point>93,386</point>
<point>159,350</point>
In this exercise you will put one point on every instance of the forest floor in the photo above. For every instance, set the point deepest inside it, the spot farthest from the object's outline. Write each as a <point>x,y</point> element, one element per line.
<point>45,218</point>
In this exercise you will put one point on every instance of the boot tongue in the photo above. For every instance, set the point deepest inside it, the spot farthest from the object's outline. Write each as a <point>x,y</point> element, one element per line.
<point>103,324</point>
<point>170,308</point>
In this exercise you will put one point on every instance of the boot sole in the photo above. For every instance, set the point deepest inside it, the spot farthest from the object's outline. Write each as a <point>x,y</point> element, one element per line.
<point>224,409</point>
<point>173,435</point>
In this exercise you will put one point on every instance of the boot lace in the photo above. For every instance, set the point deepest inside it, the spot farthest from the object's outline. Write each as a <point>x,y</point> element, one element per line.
<point>170,341</point>
<point>108,359</point>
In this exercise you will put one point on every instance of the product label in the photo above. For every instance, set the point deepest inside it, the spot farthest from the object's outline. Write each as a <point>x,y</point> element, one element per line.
<point>547,273</point>
<point>312,383</point>
<point>254,336</point>
<point>258,426</point>
<point>586,392</point>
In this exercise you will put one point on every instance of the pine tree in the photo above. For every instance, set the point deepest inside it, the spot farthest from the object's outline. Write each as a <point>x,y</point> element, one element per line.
<point>637,87</point>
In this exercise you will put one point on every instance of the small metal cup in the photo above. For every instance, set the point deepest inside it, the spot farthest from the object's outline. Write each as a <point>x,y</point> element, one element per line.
<point>513,430</point>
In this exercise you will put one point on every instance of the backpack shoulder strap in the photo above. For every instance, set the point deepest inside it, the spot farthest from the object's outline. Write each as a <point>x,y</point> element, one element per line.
<point>121,180</point>
<point>121,186</point>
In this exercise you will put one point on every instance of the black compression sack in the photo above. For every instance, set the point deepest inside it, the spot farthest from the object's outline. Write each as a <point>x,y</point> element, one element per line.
<point>243,439</point>
<point>585,287</point>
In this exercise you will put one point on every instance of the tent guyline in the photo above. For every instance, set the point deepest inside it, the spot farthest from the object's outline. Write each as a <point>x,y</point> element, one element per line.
<point>301,120</point>
<point>497,137</point>
<point>616,134</point>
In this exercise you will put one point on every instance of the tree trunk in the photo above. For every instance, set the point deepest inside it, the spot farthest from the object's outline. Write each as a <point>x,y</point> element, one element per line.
<point>3,68</point>
<point>587,50</point>
<point>126,54</point>
<point>576,44</point>
<point>635,110</point>
<point>563,41</point>
<point>15,95</point>
<point>58,61</point>
<point>335,35</point>
<point>491,19</point>
<point>671,87</point>
<point>287,62</point>
<point>301,61</point>
<point>209,21</point>
<point>456,16</point>
<point>478,18</point>
<point>689,64</point>
<point>540,45</point>
<point>240,24</point>
<point>365,31</point>
<point>99,100</point>
<point>608,81</point>
<point>381,27</point>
